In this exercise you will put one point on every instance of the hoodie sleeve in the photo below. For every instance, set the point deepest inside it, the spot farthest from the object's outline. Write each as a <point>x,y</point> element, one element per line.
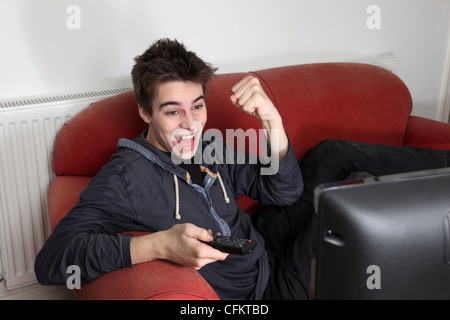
<point>90,234</point>
<point>271,184</point>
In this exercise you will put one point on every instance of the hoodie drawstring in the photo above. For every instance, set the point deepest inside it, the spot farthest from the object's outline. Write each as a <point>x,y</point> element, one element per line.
<point>177,196</point>
<point>225,195</point>
<point>177,199</point>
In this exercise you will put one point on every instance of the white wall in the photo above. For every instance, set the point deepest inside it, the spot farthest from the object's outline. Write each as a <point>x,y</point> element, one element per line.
<point>39,55</point>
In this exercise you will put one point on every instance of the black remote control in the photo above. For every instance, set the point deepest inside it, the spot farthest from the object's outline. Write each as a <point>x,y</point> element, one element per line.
<point>232,245</point>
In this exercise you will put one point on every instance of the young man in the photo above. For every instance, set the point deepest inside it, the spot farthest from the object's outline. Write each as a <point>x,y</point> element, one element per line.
<point>141,188</point>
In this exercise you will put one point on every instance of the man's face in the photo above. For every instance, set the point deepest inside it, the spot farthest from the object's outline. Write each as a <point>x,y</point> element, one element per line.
<point>179,115</point>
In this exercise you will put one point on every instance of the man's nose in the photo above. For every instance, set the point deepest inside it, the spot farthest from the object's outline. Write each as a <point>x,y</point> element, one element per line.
<point>188,121</point>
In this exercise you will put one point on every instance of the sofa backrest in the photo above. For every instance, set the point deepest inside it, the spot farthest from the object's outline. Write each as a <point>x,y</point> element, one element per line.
<point>323,101</point>
<point>316,101</point>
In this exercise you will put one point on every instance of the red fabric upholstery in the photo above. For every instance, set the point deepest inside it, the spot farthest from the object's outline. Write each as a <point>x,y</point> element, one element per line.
<point>157,280</point>
<point>317,101</point>
<point>85,143</point>
<point>63,195</point>
<point>425,133</point>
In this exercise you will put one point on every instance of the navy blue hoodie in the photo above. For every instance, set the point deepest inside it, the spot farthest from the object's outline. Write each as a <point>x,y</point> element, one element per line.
<point>142,189</point>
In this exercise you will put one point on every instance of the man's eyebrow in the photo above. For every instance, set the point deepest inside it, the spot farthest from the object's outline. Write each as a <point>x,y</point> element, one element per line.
<point>199,98</point>
<point>168,103</point>
<point>175,103</point>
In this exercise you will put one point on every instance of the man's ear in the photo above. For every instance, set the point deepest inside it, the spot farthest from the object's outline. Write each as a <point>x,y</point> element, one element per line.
<point>144,115</point>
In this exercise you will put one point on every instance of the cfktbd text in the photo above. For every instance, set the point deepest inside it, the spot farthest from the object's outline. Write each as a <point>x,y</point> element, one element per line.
<point>228,309</point>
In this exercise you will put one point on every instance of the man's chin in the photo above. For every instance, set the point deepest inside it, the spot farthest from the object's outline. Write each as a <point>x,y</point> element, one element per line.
<point>186,155</point>
<point>181,154</point>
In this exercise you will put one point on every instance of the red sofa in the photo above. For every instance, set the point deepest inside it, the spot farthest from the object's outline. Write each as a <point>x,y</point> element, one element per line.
<point>317,101</point>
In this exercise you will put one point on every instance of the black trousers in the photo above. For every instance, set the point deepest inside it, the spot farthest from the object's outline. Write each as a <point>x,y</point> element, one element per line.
<point>289,231</point>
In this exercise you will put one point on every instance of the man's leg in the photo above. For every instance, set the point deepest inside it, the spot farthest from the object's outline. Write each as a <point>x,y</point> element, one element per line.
<point>290,230</point>
<point>290,267</point>
<point>335,160</point>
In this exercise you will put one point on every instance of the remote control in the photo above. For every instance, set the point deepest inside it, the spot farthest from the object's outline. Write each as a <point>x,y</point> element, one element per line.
<point>232,245</point>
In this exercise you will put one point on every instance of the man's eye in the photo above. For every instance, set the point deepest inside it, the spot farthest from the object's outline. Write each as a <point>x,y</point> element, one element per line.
<point>172,113</point>
<point>198,107</point>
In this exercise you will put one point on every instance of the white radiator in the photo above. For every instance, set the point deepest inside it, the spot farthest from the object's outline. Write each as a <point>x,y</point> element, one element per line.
<point>28,129</point>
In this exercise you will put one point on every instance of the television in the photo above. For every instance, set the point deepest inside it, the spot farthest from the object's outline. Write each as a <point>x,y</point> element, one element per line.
<point>384,237</point>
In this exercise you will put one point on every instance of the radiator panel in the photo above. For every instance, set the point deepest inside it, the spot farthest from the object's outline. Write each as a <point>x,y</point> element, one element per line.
<point>27,135</point>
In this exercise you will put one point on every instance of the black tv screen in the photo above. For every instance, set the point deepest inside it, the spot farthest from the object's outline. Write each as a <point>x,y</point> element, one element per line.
<point>384,237</point>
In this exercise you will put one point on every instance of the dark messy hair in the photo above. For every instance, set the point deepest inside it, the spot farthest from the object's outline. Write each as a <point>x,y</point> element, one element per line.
<point>165,61</point>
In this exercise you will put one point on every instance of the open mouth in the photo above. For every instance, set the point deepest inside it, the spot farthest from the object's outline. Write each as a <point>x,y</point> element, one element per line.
<point>186,142</point>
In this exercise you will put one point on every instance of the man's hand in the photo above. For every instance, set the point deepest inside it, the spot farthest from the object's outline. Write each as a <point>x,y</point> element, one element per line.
<point>180,244</point>
<point>249,96</point>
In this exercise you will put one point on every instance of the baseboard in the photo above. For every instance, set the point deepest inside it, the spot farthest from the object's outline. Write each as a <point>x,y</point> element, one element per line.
<point>37,292</point>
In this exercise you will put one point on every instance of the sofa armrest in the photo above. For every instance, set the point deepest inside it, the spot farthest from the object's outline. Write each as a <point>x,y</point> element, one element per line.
<point>154,280</point>
<point>426,133</point>
<point>158,279</point>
